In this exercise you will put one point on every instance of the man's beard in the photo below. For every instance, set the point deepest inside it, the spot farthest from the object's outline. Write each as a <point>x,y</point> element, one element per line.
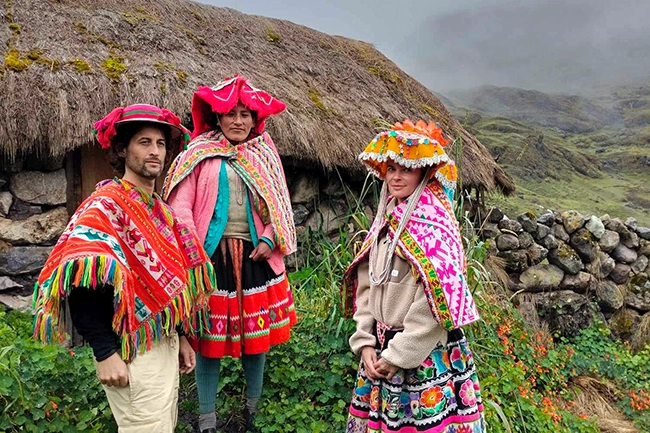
<point>142,170</point>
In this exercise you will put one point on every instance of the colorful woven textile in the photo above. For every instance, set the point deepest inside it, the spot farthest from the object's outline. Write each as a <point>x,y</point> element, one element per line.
<point>126,238</point>
<point>442,395</point>
<point>258,163</point>
<point>106,128</point>
<point>253,309</point>
<point>432,244</point>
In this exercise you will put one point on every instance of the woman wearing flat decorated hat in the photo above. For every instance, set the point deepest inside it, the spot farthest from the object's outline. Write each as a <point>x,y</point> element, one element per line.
<point>407,289</point>
<point>230,185</point>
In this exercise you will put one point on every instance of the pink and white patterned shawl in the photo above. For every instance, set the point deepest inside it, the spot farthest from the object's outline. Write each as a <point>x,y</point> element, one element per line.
<point>432,244</point>
<point>258,163</point>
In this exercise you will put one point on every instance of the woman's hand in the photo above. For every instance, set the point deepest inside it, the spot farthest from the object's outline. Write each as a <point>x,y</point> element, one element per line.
<point>369,358</point>
<point>385,369</point>
<point>261,252</point>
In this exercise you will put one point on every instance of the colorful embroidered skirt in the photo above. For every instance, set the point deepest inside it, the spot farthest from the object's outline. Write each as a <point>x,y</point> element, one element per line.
<point>252,308</point>
<point>442,395</point>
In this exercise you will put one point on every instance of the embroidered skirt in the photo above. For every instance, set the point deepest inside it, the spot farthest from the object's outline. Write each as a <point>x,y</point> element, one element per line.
<point>442,395</point>
<point>252,308</point>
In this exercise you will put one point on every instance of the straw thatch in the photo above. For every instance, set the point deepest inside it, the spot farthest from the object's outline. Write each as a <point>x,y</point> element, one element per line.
<point>68,63</point>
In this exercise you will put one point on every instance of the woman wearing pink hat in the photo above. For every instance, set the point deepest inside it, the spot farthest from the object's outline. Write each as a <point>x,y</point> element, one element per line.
<point>230,186</point>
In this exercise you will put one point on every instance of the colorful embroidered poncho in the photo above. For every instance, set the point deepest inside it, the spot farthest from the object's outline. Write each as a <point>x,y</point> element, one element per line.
<point>126,238</point>
<point>258,164</point>
<point>432,244</point>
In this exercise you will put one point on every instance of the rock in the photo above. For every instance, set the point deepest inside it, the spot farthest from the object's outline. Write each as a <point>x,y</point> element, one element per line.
<point>305,189</point>
<point>542,231</point>
<point>623,254</point>
<point>638,296</point>
<point>528,222</point>
<point>549,242</point>
<point>638,301</point>
<point>507,242</point>
<point>512,225</point>
<point>585,245</point>
<point>489,230</point>
<point>609,241</point>
<point>300,214</point>
<point>7,283</point>
<point>605,219</point>
<point>640,265</point>
<point>620,274</point>
<point>595,226</point>
<point>578,283</point>
<point>540,278</point>
<point>547,219</point>
<point>525,240</point>
<point>572,221</point>
<point>616,225</point>
<point>630,240</point>
<point>528,312</point>
<point>20,303</point>
<point>610,297</point>
<point>631,223</point>
<point>495,215</point>
<point>37,187</point>
<point>44,163</point>
<point>36,229</point>
<point>491,246</point>
<point>334,188</point>
<point>566,312</point>
<point>644,233</point>
<point>602,266</point>
<point>624,322</point>
<point>536,253</point>
<point>560,233</point>
<point>6,200</point>
<point>326,219</point>
<point>516,261</point>
<point>565,258</point>
<point>644,247</point>
<point>23,260</point>
<point>641,336</point>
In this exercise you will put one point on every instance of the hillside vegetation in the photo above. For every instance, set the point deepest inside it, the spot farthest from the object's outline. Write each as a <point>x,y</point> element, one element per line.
<point>566,152</point>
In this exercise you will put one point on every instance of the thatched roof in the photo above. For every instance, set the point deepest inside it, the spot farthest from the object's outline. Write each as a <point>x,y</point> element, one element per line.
<point>68,63</point>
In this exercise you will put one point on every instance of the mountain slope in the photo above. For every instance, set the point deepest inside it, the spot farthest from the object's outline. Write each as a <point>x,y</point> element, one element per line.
<point>600,166</point>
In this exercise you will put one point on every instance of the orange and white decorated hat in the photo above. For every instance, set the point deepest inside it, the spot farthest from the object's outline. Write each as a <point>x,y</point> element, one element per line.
<point>418,145</point>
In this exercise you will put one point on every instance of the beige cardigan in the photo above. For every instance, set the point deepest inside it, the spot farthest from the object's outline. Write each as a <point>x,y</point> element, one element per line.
<point>399,303</point>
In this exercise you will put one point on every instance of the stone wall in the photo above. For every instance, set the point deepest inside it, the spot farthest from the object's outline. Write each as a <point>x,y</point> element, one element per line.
<point>574,267</point>
<point>32,217</point>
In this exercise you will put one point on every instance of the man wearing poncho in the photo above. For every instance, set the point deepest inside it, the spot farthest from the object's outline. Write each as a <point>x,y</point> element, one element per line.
<point>132,274</point>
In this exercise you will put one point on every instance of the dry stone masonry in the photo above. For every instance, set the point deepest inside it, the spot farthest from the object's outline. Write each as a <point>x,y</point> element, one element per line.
<point>574,267</point>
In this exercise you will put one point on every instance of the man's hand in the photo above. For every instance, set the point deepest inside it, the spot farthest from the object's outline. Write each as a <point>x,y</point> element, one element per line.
<point>385,369</point>
<point>261,252</point>
<point>113,371</point>
<point>186,356</point>
<point>369,358</point>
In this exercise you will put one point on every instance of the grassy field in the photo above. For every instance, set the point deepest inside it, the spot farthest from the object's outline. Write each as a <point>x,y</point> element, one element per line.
<point>605,170</point>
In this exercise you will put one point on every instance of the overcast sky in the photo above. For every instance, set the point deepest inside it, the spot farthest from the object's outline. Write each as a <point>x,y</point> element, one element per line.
<point>548,45</point>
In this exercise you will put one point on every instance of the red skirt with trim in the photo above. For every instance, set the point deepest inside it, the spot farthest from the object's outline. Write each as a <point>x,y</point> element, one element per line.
<point>252,308</point>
